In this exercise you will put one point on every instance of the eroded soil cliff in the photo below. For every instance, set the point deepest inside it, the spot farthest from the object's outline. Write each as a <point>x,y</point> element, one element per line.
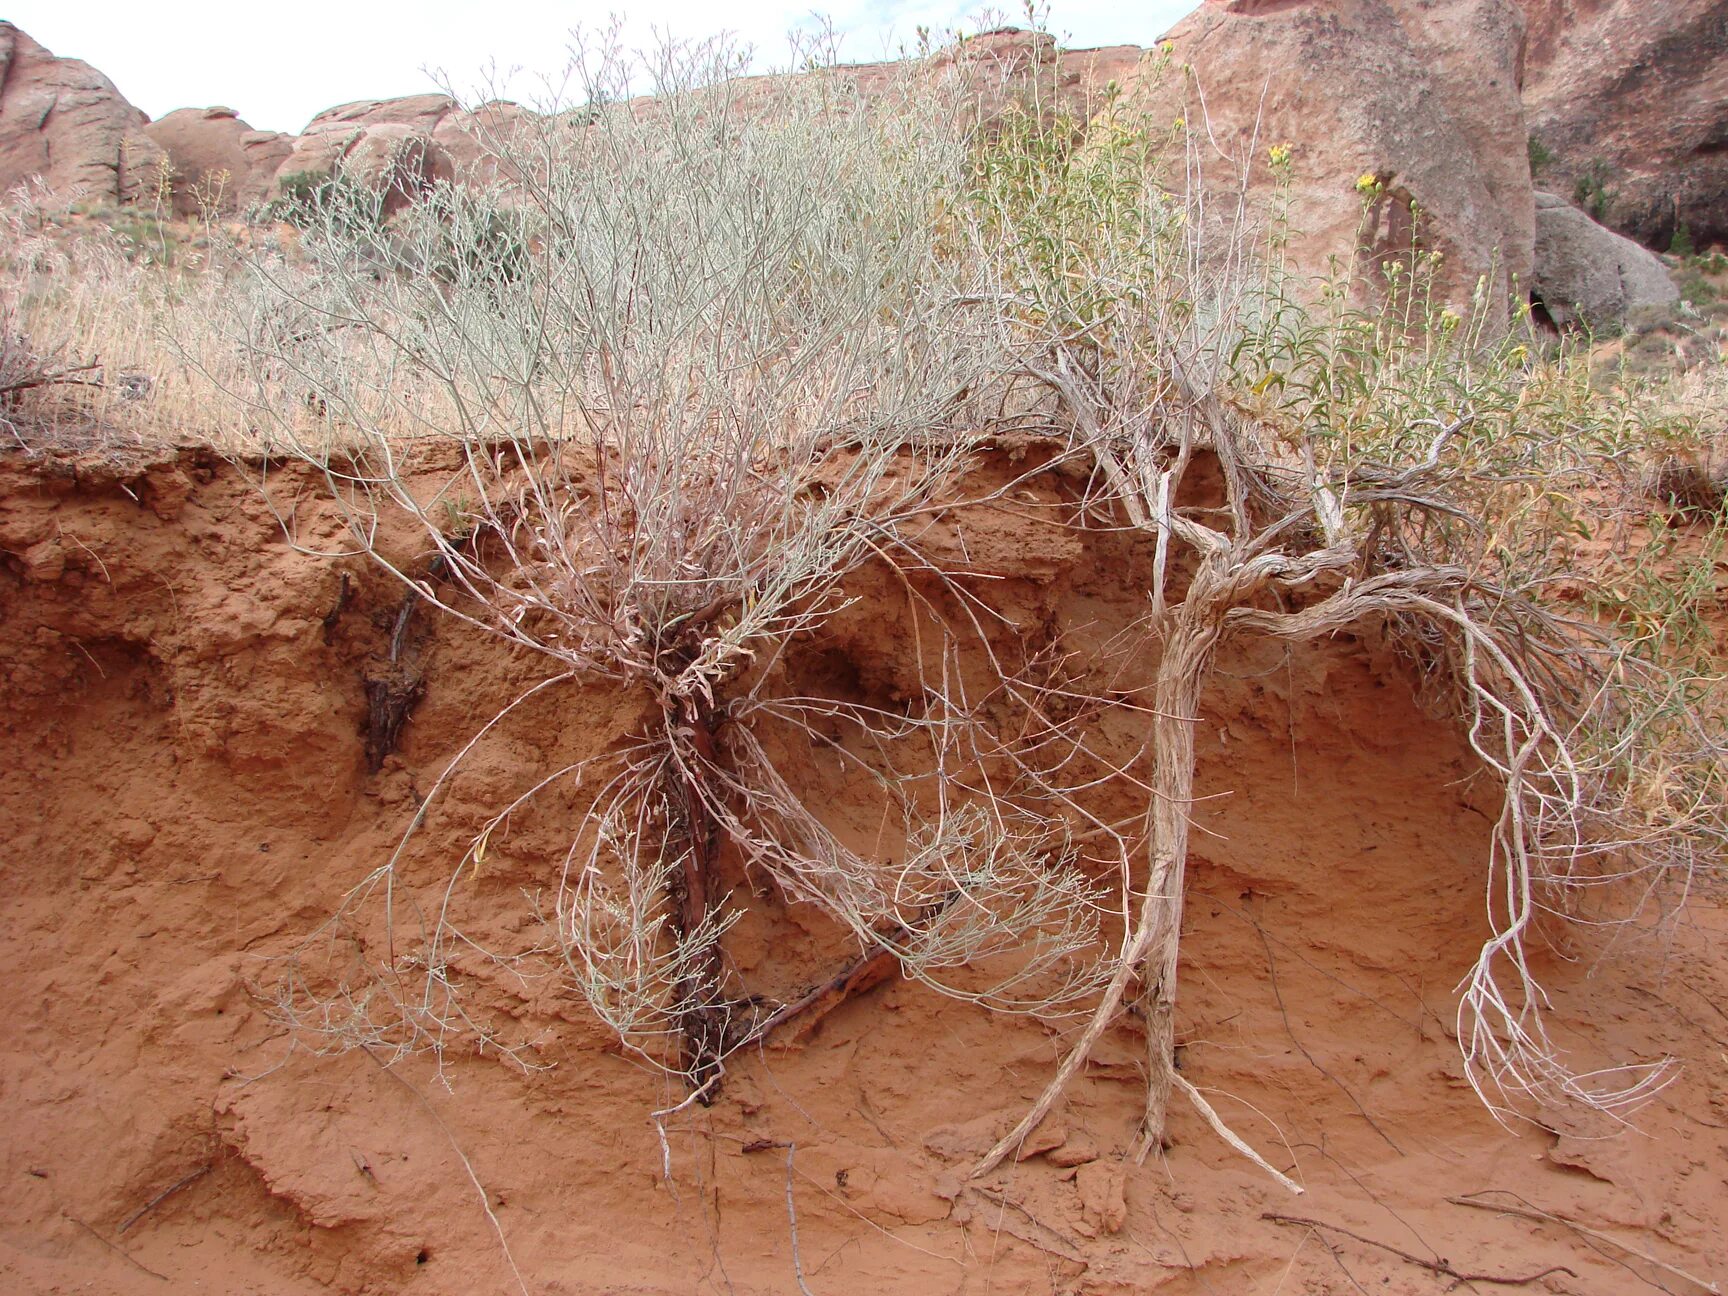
<point>189,794</point>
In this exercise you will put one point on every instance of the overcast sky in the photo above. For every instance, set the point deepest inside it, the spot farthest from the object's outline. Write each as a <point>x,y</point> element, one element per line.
<point>280,64</point>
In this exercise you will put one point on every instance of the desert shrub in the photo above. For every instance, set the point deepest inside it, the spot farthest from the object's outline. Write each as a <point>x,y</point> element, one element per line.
<point>467,239</point>
<point>29,372</point>
<point>727,354</point>
<point>322,198</point>
<point>1541,156</point>
<point>1395,460</point>
<point>706,365</point>
<point>1593,190</point>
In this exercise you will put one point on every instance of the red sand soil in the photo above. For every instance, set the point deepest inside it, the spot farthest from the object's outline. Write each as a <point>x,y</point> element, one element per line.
<point>188,796</point>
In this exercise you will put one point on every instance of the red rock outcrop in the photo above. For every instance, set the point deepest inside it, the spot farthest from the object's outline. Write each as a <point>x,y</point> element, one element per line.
<point>1011,65</point>
<point>1628,105</point>
<point>470,136</point>
<point>385,144</point>
<point>1415,99</point>
<point>64,121</point>
<point>220,163</point>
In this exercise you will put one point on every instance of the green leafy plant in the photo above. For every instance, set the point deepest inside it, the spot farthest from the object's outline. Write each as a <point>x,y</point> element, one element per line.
<point>1593,190</point>
<point>1541,156</point>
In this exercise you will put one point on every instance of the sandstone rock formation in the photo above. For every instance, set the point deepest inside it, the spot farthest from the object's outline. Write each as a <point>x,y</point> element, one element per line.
<point>988,72</point>
<point>64,121</point>
<point>469,136</point>
<point>386,144</point>
<point>219,162</point>
<point>1416,99</point>
<point>1628,107</point>
<point>1011,66</point>
<point>1588,275</point>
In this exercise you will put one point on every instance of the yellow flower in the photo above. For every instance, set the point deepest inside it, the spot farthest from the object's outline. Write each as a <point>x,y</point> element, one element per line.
<point>1278,155</point>
<point>1449,318</point>
<point>1181,123</point>
<point>1368,184</point>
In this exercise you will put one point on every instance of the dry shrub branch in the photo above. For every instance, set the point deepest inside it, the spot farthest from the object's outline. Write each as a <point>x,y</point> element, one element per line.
<point>698,365</point>
<point>1383,464</point>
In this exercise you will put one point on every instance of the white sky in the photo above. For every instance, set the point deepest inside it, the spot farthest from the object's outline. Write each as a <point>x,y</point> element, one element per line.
<point>280,64</point>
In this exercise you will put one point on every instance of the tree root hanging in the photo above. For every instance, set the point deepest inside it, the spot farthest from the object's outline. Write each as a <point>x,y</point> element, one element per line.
<point>701,1015</point>
<point>395,685</point>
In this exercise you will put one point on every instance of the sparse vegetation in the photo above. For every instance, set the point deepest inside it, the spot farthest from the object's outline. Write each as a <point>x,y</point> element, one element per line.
<point>312,197</point>
<point>1594,191</point>
<point>1541,156</point>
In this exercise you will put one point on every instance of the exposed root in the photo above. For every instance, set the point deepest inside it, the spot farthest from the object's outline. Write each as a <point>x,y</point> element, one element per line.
<point>1440,1267</point>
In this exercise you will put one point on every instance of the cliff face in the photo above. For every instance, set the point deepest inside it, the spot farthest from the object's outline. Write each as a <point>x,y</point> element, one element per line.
<point>1418,100</point>
<point>1628,104</point>
<point>188,800</point>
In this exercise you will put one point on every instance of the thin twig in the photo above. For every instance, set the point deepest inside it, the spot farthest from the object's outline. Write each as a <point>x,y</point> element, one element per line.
<point>164,1195</point>
<point>467,1165</point>
<point>1440,1267</point>
<point>1290,1030</point>
<point>1532,1213</point>
<point>792,1221</point>
<point>124,1255</point>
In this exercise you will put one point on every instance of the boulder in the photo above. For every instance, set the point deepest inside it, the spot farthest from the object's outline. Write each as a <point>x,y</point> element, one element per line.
<point>1399,122</point>
<point>1628,108</point>
<point>387,145</point>
<point>219,162</point>
<point>469,137</point>
<point>1589,276</point>
<point>64,121</point>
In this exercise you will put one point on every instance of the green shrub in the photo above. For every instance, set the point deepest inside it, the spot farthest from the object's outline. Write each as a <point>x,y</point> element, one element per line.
<point>308,197</point>
<point>1541,156</point>
<point>1592,192</point>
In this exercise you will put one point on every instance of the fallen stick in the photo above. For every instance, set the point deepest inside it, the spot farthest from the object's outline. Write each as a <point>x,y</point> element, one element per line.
<point>1532,1213</point>
<point>118,1250</point>
<point>163,1196</point>
<point>865,972</point>
<point>1432,1266</point>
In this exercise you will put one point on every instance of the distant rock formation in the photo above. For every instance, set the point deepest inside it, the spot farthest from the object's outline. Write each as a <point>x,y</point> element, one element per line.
<point>1401,118</point>
<point>220,163</point>
<point>62,120</point>
<point>385,144</point>
<point>1010,66</point>
<point>1628,108</point>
